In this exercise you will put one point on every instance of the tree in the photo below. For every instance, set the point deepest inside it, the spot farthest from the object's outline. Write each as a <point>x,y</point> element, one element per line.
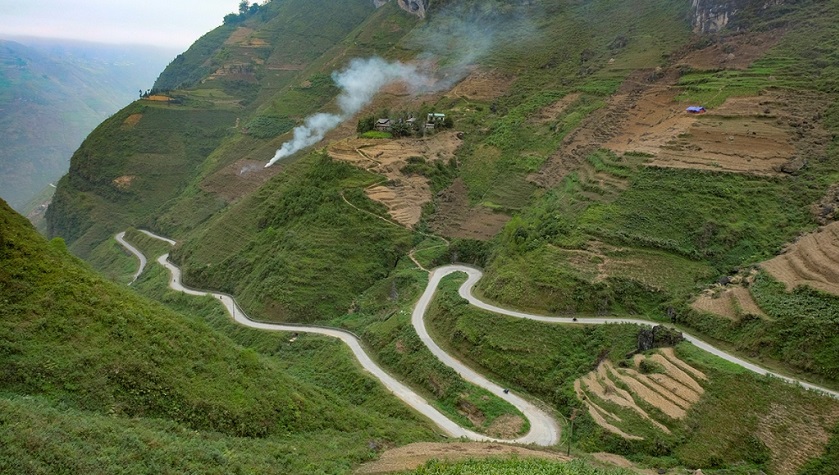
<point>366,124</point>
<point>400,128</point>
<point>243,7</point>
<point>231,18</point>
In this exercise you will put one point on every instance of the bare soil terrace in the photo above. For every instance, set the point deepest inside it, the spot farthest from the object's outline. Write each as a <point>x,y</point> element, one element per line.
<point>672,391</point>
<point>403,194</point>
<point>813,260</point>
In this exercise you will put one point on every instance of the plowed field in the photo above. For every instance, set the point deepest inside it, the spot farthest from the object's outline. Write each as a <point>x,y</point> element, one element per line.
<point>672,391</point>
<point>813,260</point>
<point>403,194</point>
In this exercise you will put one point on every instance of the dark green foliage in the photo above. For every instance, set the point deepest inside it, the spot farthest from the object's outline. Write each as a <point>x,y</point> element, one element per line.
<point>365,124</point>
<point>828,463</point>
<point>265,127</point>
<point>803,331</point>
<point>280,263</point>
<point>466,251</point>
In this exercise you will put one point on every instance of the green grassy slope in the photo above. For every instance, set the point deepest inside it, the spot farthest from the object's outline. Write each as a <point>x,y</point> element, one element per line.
<point>293,250</point>
<point>278,250</point>
<point>95,356</point>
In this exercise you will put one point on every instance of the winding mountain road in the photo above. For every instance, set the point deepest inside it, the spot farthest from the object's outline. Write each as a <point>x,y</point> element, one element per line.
<point>544,430</point>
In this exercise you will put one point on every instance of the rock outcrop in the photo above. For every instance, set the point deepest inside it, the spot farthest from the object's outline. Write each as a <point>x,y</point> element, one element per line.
<point>416,7</point>
<point>713,15</point>
<point>656,337</point>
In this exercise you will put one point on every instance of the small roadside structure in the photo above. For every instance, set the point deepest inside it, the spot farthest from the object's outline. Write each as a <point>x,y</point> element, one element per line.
<point>433,120</point>
<point>383,125</point>
<point>695,110</point>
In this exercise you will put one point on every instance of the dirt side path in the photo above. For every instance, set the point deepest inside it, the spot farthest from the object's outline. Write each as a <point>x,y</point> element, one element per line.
<point>412,456</point>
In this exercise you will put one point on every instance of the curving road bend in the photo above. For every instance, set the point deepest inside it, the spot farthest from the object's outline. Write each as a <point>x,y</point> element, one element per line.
<point>120,237</point>
<point>543,428</point>
<point>474,275</point>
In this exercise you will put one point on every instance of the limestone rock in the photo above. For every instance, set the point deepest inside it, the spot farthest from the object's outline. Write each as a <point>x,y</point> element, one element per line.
<point>416,7</point>
<point>713,15</point>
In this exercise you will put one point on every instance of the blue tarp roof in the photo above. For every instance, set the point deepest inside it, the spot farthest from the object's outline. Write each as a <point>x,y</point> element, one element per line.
<point>695,109</point>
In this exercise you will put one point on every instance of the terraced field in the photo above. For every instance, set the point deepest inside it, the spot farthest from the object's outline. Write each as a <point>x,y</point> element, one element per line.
<point>813,260</point>
<point>731,302</point>
<point>610,391</point>
<point>403,193</point>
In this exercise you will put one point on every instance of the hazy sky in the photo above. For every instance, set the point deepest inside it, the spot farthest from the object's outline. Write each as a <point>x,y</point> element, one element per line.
<point>170,23</point>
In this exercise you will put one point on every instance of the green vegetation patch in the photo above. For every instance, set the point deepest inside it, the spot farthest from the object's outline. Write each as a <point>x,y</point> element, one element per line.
<point>376,134</point>
<point>726,219</point>
<point>296,251</point>
<point>802,330</point>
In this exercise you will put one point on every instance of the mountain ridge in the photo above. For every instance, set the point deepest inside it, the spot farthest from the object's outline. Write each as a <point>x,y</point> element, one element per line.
<point>590,190</point>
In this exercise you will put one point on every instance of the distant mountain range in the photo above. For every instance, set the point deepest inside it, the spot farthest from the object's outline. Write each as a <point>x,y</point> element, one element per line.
<point>52,94</point>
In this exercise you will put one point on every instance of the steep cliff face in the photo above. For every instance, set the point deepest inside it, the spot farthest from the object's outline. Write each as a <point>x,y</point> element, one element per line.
<point>416,7</point>
<point>713,15</point>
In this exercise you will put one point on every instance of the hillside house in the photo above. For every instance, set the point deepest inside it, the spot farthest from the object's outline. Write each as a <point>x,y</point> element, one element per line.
<point>433,120</point>
<point>383,125</point>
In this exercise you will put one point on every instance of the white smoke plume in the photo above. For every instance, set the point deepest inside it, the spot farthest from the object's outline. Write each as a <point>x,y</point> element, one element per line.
<point>359,82</point>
